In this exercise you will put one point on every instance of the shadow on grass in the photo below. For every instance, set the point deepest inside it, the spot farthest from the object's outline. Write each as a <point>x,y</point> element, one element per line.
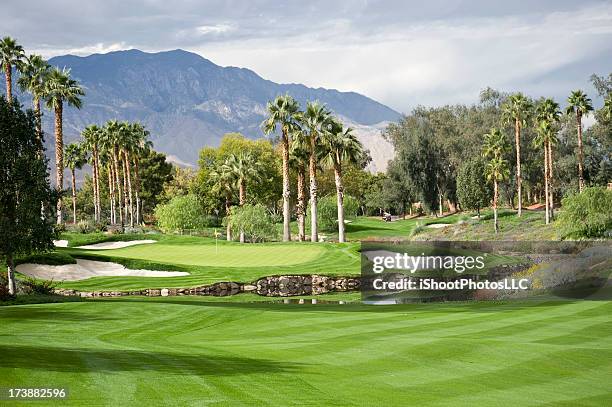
<point>445,307</point>
<point>74,360</point>
<point>351,228</point>
<point>47,314</point>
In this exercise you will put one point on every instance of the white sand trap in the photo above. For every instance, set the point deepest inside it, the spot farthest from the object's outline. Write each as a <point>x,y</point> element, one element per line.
<point>60,243</point>
<point>114,245</point>
<point>438,225</point>
<point>85,269</point>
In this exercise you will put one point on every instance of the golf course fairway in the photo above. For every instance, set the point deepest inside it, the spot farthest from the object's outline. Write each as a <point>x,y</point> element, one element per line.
<point>196,351</point>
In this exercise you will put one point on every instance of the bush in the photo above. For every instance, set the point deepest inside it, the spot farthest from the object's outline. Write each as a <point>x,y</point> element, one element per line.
<point>254,220</point>
<point>182,212</point>
<point>4,292</point>
<point>327,211</point>
<point>587,214</point>
<point>43,287</point>
<point>473,190</point>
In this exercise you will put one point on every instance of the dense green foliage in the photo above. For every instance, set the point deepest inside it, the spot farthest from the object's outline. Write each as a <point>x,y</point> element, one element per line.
<point>328,211</point>
<point>26,199</point>
<point>473,191</point>
<point>587,214</point>
<point>182,213</point>
<point>254,220</point>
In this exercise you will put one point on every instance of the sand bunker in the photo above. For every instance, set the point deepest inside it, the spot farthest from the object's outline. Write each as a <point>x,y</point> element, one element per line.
<point>438,225</point>
<point>85,269</point>
<point>60,243</point>
<point>114,245</point>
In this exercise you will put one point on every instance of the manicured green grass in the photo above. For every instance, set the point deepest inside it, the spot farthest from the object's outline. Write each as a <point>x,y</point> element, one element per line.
<point>210,262</point>
<point>189,351</point>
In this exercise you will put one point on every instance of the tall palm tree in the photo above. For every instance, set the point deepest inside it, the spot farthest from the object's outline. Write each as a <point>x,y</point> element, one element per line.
<point>91,140</point>
<point>316,116</point>
<point>341,145</point>
<point>114,139</point>
<point>75,158</point>
<point>245,168</point>
<point>547,116</point>
<point>517,109</point>
<point>579,104</point>
<point>34,71</point>
<point>284,112</point>
<point>298,158</point>
<point>141,148</point>
<point>59,88</point>
<point>497,170</point>
<point>224,180</point>
<point>11,55</point>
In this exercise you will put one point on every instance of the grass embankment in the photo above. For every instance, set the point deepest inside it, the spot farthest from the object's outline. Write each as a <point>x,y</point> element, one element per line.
<point>208,261</point>
<point>191,351</point>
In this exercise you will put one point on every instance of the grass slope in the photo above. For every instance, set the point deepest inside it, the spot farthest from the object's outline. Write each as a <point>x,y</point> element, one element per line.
<point>187,351</point>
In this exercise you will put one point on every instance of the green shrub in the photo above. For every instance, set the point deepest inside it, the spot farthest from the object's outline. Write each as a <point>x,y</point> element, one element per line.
<point>473,190</point>
<point>254,220</point>
<point>587,214</point>
<point>182,212</point>
<point>327,211</point>
<point>41,287</point>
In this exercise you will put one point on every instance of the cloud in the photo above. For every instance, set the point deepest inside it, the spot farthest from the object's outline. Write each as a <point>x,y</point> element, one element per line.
<point>401,53</point>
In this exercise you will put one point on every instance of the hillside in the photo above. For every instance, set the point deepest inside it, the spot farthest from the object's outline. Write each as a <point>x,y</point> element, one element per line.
<point>188,102</point>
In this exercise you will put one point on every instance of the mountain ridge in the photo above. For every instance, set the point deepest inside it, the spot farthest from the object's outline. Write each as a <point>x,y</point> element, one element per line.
<point>188,102</point>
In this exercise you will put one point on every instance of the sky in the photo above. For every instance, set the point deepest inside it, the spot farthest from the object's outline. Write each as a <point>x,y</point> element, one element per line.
<point>401,53</point>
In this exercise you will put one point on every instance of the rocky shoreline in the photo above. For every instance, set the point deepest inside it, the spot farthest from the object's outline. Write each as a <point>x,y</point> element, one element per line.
<point>271,286</point>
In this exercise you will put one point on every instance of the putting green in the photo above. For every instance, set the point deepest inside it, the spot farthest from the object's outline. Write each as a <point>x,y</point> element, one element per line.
<point>222,255</point>
<point>187,351</point>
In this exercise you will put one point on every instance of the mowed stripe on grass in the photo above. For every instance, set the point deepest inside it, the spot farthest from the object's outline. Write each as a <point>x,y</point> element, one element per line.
<point>188,351</point>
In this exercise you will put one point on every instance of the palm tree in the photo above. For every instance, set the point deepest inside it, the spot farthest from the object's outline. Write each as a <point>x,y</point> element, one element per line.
<point>75,157</point>
<point>284,111</point>
<point>341,145</point>
<point>224,181</point>
<point>141,148</point>
<point>547,116</point>
<point>579,104</point>
<point>517,109</point>
<point>495,146</point>
<point>59,88</point>
<point>34,71</point>
<point>114,139</point>
<point>91,141</point>
<point>244,168</point>
<point>298,158</point>
<point>316,117</point>
<point>11,55</point>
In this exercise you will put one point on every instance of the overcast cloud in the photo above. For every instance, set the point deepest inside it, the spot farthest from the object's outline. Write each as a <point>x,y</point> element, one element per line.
<point>401,53</point>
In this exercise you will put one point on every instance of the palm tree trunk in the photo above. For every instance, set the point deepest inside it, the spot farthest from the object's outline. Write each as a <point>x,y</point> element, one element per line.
<point>137,175</point>
<point>118,184</point>
<point>73,197</point>
<point>97,184</point>
<point>228,233</point>
<point>129,185</point>
<point>125,188</point>
<point>547,216</point>
<point>340,193</point>
<point>312,173</point>
<point>517,140</point>
<point>11,274</point>
<point>495,193</point>
<point>111,193</point>
<point>59,157</point>
<point>38,114</point>
<point>9,82</point>
<point>286,191</point>
<point>301,204</point>
<point>580,163</point>
<point>242,200</point>
<point>550,182</point>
